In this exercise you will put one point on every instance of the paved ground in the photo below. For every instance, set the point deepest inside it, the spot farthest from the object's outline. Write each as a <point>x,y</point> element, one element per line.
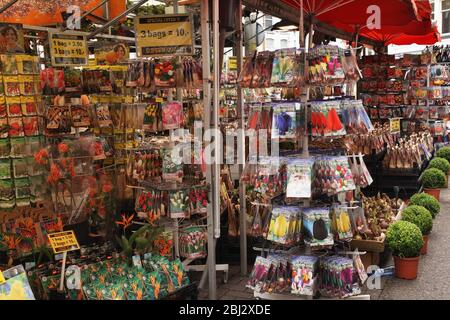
<point>432,283</point>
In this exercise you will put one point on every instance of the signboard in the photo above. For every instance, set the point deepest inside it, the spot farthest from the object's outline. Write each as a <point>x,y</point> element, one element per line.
<point>394,125</point>
<point>232,63</point>
<point>111,53</point>
<point>68,49</point>
<point>2,278</point>
<point>11,38</point>
<point>63,241</point>
<point>159,35</point>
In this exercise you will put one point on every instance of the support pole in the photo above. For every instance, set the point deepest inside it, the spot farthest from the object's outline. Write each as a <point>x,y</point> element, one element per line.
<point>8,5</point>
<point>210,271</point>
<point>241,137</point>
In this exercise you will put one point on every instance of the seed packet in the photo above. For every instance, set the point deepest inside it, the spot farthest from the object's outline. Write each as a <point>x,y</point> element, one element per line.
<point>3,109</point>
<point>259,273</point>
<point>72,80</point>
<point>199,200</point>
<point>172,169</point>
<point>29,107</point>
<point>58,119</point>
<point>299,172</point>
<point>285,68</point>
<point>5,168</point>
<point>284,123</point>
<point>341,224</point>
<point>283,225</point>
<point>30,126</point>
<point>9,64</point>
<point>5,148</point>
<point>350,65</point>
<point>103,115</point>
<point>151,115</point>
<point>317,226</point>
<point>26,64</point>
<point>14,106</point>
<point>20,168</point>
<point>11,85</point>
<point>26,85</point>
<point>172,115</point>
<point>134,288</point>
<point>165,73</point>
<point>80,116</point>
<point>7,194</point>
<point>16,127</point>
<point>304,275</point>
<point>193,242</point>
<point>19,147</point>
<point>263,70</point>
<point>4,128</point>
<point>34,168</point>
<point>179,204</point>
<point>22,192</point>
<point>153,281</point>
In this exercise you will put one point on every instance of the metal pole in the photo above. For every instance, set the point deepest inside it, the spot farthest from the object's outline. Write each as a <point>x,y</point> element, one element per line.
<point>8,5</point>
<point>305,152</point>
<point>90,11</point>
<point>206,50</point>
<point>241,137</point>
<point>117,19</point>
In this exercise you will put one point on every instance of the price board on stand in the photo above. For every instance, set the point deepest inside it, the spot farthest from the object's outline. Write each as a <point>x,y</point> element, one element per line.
<point>160,35</point>
<point>63,241</point>
<point>68,50</point>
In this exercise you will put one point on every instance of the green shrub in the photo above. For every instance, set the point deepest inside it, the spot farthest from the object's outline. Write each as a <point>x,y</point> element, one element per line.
<point>427,201</point>
<point>444,153</point>
<point>404,239</point>
<point>441,164</point>
<point>420,216</point>
<point>433,179</point>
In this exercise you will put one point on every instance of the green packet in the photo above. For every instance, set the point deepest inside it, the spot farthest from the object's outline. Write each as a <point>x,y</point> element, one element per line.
<point>154,285</point>
<point>7,194</point>
<point>178,273</point>
<point>5,148</point>
<point>5,168</point>
<point>134,286</point>
<point>50,283</point>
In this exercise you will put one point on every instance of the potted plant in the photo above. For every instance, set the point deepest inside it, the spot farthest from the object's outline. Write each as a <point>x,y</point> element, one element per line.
<point>427,201</point>
<point>405,240</point>
<point>433,179</point>
<point>444,153</point>
<point>421,217</point>
<point>441,164</point>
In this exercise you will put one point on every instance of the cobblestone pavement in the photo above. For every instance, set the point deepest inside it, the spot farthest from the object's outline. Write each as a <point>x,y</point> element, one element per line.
<point>432,283</point>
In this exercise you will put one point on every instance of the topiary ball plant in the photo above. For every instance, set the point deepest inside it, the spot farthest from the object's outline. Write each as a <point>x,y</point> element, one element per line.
<point>420,216</point>
<point>433,179</point>
<point>404,239</point>
<point>427,201</point>
<point>444,153</point>
<point>441,164</point>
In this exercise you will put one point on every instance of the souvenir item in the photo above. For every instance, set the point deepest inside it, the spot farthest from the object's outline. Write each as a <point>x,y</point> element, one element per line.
<point>317,227</point>
<point>80,116</point>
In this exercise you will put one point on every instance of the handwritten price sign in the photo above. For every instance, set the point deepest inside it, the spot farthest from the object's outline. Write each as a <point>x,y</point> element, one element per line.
<point>164,35</point>
<point>63,241</point>
<point>68,50</point>
<point>395,125</point>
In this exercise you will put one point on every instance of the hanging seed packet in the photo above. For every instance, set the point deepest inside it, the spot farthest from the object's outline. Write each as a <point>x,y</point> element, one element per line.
<point>193,242</point>
<point>16,127</point>
<point>4,128</point>
<point>5,148</point>
<point>26,85</point>
<point>165,73</point>
<point>19,147</point>
<point>103,115</point>
<point>299,173</point>
<point>7,194</point>
<point>80,116</point>
<point>179,204</point>
<point>285,69</point>
<point>172,169</point>
<point>259,273</point>
<point>72,80</point>
<point>304,275</point>
<point>281,220</point>
<point>9,64</point>
<point>284,121</point>
<point>30,126</point>
<point>3,109</point>
<point>150,117</point>
<point>20,167</point>
<point>5,168</point>
<point>14,106</point>
<point>317,226</point>
<point>199,200</point>
<point>263,70</point>
<point>172,115</point>
<point>22,192</point>
<point>11,85</point>
<point>34,168</point>
<point>341,223</point>
<point>29,107</point>
<point>26,64</point>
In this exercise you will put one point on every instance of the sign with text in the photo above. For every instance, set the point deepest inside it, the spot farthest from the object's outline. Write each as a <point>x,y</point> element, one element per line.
<point>68,49</point>
<point>170,34</point>
<point>395,125</point>
<point>232,63</point>
<point>63,241</point>
<point>2,278</point>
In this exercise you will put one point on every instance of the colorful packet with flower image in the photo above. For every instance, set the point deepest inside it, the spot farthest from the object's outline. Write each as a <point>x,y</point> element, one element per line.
<point>34,168</point>
<point>7,194</point>
<point>2,86</point>
<point>22,191</point>
<point>5,168</point>
<point>5,148</point>
<point>172,115</point>
<point>26,85</point>
<point>9,64</point>
<point>3,109</point>
<point>15,127</point>
<point>30,126</point>
<point>4,128</point>
<point>14,106</point>
<point>20,169</point>
<point>29,107</point>
<point>165,73</point>
<point>19,147</point>
<point>11,85</point>
<point>80,116</point>
<point>193,242</point>
<point>179,204</point>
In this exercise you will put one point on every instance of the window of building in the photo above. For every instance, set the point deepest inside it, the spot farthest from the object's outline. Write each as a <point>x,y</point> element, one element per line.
<point>432,10</point>
<point>270,44</point>
<point>284,43</point>
<point>445,16</point>
<point>268,21</point>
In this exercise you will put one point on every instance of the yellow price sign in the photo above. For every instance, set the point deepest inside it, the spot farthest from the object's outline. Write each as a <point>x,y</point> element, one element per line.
<point>68,49</point>
<point>170,34</point>
<point>2,278</point>
<point>63,241</point>
<point>232,63</point>
<point>395,125</point>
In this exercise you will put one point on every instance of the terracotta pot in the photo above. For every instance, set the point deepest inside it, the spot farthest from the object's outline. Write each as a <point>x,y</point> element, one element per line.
<point>434,192</point>
<point>424,249</point>
<point>406,268</point>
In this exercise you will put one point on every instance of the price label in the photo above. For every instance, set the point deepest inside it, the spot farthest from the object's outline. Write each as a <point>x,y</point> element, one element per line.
<point>68,49</point>
<point>63,241</point>
<point>159,35</point>
<point>395,125</point>
<point>232,63</point>
<point>2,278</point>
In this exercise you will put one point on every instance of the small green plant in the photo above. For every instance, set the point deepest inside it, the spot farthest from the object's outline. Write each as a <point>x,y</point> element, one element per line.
<point>404,239</point>
<point>433,179</point>
<point>420,216</point>
<point>444,153</point>
<point>441,164</point>
<point>427,201</point>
